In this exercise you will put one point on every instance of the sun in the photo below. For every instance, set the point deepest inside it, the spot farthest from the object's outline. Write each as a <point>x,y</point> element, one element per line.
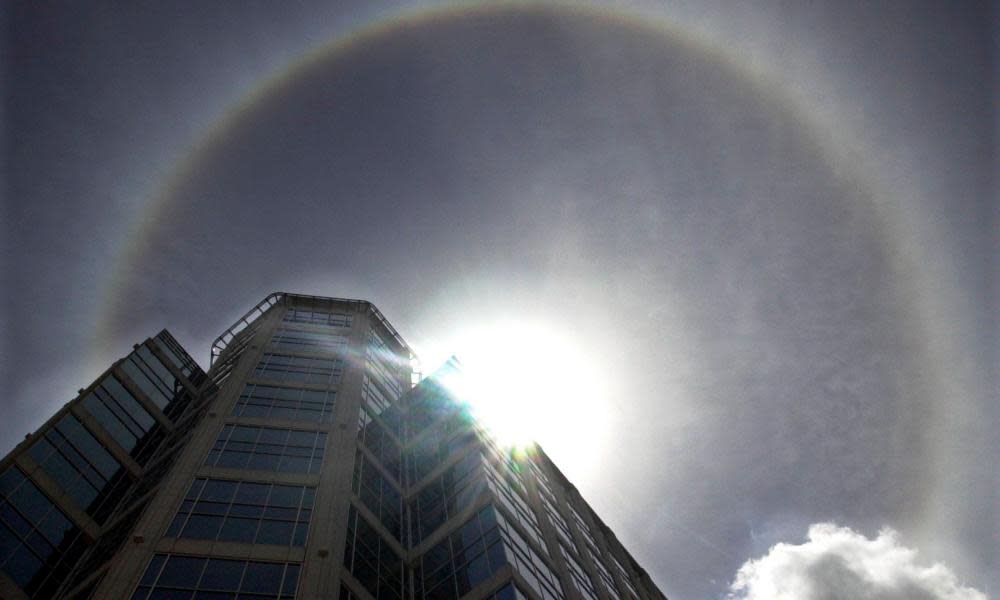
<point>528,382</point>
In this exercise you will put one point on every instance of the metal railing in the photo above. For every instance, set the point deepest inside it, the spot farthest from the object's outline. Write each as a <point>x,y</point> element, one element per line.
<point>246,324</point>
<point>240,326</point>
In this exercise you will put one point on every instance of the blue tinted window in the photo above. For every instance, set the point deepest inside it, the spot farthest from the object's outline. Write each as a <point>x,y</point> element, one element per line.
<point>315,317</point>
<point>174,576</point>
<point>374,436</point>
<point>478,549</point>
<point>38,543</point>
<point>156,381</point>
<point>173,351</point>
<point>268,449</point>
<point>121,415</point>
<point>268,401</point>
<point>372,560</point>
<point>379,495</point>
<point>243,511</point>
<point>81,466</point>
<point>449,494</point>
<point>281,367</point>
<point>580,577</point>
<point>308,341</point>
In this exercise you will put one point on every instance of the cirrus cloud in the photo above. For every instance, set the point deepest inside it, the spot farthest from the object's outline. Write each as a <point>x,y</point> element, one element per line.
<point>837,563</point>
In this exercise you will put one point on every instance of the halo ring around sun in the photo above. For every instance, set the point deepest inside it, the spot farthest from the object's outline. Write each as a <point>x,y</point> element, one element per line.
<point>895,225</point>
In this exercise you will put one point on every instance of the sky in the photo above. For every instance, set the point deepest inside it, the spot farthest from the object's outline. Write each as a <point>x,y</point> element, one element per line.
<point>768,229</point>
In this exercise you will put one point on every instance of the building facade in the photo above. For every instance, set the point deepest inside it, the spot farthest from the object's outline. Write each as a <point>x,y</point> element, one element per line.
<point>306,463</point>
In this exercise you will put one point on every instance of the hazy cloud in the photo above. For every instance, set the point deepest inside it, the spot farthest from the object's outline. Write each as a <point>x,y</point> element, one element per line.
<point>837,563</point>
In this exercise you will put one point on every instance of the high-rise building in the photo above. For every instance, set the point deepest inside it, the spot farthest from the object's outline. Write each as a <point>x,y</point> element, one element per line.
<point>306,463</point>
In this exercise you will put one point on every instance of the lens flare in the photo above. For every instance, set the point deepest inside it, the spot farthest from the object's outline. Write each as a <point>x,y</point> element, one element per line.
<point>525,383</point>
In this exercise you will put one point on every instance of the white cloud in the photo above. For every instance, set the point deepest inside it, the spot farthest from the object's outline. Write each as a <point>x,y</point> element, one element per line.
<point>837,563</point>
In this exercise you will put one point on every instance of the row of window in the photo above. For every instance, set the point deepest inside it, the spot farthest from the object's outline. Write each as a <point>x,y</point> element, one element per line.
<point>379,495</point>
<point>181,359</point>
<point>427,406</point>
<point>185,577</point>
<point>156,381</point>
<point>562,527</point>
<point>379,404</point>
<point>386,375</point>
<point>455,435</point>
<point>124,418</point>
<point>317,317</point>
<point>462,560</point>
<point>529,563</point>
<point>82,467</point>
<point>103,550</point>
<point>373,436</point>
<point>308,341</point>
<point>582,526</point>
<point>603,572</point>
<point>626,578</point>
<point>371,560</point>
<point>244,511</point>
<point>267,449</point>
<point>268,401</point>
<point>509,493</point>
<point>389,361</point>
<point>38,542</point>
<point>475,551</point>
<point>456,489</point>
<point>579,576</point>
<point>280,367</point>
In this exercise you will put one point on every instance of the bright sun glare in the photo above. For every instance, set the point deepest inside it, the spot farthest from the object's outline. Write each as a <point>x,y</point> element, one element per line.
<point>527,383</point>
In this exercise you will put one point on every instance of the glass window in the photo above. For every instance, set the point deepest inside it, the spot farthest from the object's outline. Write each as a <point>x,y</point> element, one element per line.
<point>528,562</point>
<point>82,467</point>
<point>579,575</point>
<point>583,527</point>
<point>385,366</point>
<point>316,317</point>
<point>379,495</point>
<point>267,449</point>
<point>456,489</point>
<point>104,549</point>
<point>155,380</point>
<point>372,560</point>
<point>626,578</point>
<point>374,437</point>
<point>463,560</point>
<point>431,451</point>
<point>173,351</point>
<point>428,404</point>
<point>268,401</point>
<point>544,484</point>
<point>508,592</point>
<point>509,493</point>
<point>280,367</point>
<point>378,403</point>
<point>38,542</point>
<point>174,576</point>
<point>562,527</point>
<point>308,341</point>
<point>244,511</point>
<point>121,415</point>
<point>602,570</point>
